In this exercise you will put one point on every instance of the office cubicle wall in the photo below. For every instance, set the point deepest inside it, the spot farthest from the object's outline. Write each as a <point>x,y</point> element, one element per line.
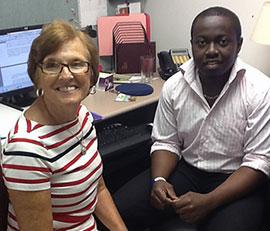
<point>16,13</point>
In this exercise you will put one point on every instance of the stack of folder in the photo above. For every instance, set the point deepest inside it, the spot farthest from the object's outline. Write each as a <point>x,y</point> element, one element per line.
<point>128,32</point>
<point>105,27</point>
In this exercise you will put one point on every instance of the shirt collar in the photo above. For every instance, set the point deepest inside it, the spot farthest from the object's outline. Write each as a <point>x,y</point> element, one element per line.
<point>189,70</point>
<point>238,70</point>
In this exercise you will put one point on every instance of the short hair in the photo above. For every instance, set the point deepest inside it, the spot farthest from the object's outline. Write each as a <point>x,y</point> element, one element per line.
<point>220,11</point>
<point>51,38</point>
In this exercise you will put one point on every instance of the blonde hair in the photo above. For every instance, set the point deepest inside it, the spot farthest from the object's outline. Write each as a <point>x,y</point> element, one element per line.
<point>52,37</point>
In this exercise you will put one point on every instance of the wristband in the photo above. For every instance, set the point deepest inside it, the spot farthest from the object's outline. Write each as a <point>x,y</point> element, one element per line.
<point>159,178</point>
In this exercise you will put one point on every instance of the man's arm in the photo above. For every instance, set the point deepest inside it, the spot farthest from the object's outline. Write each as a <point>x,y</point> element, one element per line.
<point>162,164</point>
<point>33,209</point>
<point>166,148</point>
<point>193,207</point>
<point>240,183</point>
<point>106,210</point>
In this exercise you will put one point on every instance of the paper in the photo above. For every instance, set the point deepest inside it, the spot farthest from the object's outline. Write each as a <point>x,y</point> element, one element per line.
<point>90,10</point>
<point>120,78</point>
<point>121,97</point>
<point>134,7</point>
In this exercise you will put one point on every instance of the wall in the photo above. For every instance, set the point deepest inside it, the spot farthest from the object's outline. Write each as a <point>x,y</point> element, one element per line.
<point>16,13</point>
<point>113,3</point>
<point>171,21</point>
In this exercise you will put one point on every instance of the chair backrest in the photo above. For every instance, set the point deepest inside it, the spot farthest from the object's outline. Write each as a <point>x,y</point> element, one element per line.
<point>3,201</point>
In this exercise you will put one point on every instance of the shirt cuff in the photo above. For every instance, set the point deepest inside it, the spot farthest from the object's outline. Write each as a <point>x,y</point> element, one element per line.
<point>165,146</point>
<point>257,162</point>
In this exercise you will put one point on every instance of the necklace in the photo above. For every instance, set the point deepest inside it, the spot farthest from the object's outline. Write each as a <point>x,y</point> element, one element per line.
<point>83,147</point>
<point>80,140</point>
<point>211,97</point>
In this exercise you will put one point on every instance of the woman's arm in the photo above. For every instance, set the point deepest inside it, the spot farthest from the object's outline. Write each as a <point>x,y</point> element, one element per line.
<point>33,209</point>
<point>106,210</point>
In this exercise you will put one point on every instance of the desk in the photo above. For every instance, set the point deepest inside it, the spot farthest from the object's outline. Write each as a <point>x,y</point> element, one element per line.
<point>103,103</point>
<point>121,166</point>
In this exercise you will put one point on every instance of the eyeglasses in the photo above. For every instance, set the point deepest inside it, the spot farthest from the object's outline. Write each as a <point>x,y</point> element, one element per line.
<point>53,68</point>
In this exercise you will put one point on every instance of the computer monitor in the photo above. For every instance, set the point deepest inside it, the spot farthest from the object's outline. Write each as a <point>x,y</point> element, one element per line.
<point>15,44</point>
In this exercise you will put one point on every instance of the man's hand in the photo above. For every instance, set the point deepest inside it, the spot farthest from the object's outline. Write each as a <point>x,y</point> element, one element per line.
<point>162,194</point>
<point>192,207</point>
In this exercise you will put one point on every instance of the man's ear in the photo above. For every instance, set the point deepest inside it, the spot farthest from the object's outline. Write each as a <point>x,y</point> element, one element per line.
<point>239,44</point>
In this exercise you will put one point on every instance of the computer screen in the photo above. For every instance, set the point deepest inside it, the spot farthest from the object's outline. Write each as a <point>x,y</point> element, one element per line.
<point>15,46</point>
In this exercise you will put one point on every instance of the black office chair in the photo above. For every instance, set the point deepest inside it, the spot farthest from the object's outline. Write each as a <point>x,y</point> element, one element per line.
<point>3,204</point>
<point>266,225</point>
<point>174,225</point>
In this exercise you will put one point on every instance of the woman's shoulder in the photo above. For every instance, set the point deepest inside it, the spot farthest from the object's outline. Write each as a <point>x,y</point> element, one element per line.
<point>21,127</point>
<point>84,113</point>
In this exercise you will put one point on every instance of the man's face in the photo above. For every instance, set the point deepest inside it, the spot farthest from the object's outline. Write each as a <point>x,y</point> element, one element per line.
<point>214,46</point>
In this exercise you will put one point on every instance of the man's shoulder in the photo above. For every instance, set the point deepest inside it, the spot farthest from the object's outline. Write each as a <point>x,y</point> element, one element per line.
<point>252,71</point>
<point>185,73</point>
<point>253,77</point>
<point>177,77</point>
<point>174,84</point>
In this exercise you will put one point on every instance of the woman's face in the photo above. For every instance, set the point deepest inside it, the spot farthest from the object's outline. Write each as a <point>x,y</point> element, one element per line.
<point>65,88</point>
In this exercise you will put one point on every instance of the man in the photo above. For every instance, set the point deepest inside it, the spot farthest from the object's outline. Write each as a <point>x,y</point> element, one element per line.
<point>210,156</point>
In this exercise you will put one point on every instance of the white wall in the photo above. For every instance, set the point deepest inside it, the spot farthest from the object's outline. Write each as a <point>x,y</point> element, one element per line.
<point>171,21</point>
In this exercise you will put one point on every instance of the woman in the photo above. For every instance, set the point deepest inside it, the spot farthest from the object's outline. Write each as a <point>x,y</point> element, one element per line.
<point>50,163</point>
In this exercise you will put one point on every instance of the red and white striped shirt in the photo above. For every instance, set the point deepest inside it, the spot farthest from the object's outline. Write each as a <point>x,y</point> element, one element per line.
<point>41,157</point>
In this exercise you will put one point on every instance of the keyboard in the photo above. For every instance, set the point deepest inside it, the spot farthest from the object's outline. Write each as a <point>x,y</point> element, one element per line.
<point>118,137</point>
<point>19,101</point>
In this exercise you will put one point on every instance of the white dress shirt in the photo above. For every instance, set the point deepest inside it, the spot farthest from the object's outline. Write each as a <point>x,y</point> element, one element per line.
<point>234,132</point>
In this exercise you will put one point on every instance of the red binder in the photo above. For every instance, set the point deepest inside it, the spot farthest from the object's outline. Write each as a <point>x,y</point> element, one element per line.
<point>130,43</point>
<point>127,56</point>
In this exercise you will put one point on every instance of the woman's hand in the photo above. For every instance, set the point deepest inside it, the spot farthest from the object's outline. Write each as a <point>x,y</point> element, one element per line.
<point>106,210</point>
<point>162,194</point>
